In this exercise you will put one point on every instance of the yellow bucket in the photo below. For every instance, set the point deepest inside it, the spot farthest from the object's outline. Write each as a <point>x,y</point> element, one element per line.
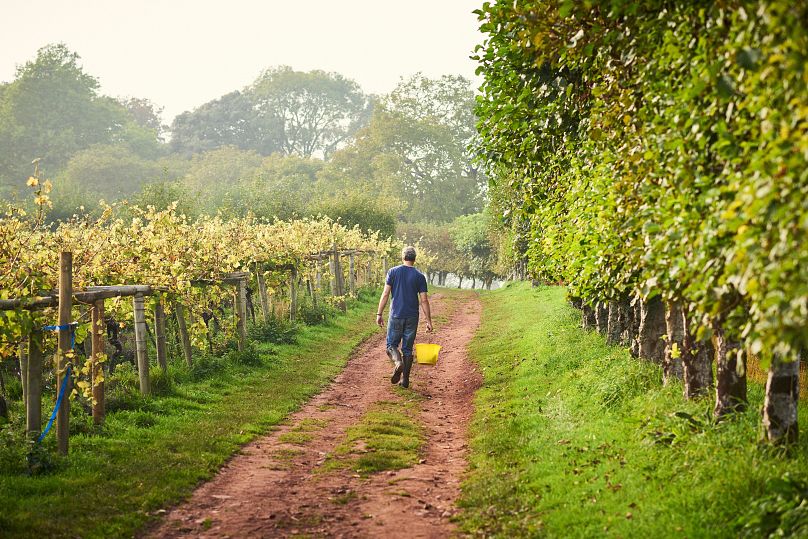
<point>427,354</point>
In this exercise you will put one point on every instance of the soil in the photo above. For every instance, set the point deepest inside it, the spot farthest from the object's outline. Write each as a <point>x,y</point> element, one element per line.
<point>275,488</point>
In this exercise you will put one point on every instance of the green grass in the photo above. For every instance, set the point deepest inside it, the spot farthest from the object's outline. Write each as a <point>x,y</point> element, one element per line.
<point>574,438</point>
<point>153,452</point>
<point>388,437</point>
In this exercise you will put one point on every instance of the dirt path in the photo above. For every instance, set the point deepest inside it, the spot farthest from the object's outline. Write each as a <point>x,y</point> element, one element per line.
<point>277,488</point>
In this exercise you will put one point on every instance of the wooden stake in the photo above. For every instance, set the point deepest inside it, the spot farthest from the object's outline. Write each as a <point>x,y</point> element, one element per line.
<point>351,276</point>
<point>241,313</point>
<point>33,404</point>
<point>185,339</point>
<point>160,333</point>
<point>65,308</point>
<point>293,295</point>
<point>262,293</point>
<point>23,356</point>
<point>96,369</point>
<point>140,344</point>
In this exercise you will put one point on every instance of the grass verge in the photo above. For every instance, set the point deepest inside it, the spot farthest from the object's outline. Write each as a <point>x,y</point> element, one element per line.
<point>154,452</point>
<point>574,438</point>
<point>388,437</point>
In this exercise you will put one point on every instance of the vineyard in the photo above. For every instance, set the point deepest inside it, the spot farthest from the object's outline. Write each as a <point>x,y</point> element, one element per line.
<point>654,158</point>
<point>613,235</point>
<point>200,278</point>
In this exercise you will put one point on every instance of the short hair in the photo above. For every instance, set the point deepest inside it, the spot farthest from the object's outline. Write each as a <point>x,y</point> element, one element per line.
<point>408,253</point>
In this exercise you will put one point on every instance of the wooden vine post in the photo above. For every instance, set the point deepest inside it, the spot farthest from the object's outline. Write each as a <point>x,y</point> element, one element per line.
<point>241,312</point>
<point>262,293</point>
<point>351,274</point>
<point>293,294</point>
<point>140,344</point>
<point>369,273</point>
<point>33,379</point>
<point>160,333</point>
<point>185,339</point>
<point>23,357</point>
<point>96,367</point>
<point>65,346</point>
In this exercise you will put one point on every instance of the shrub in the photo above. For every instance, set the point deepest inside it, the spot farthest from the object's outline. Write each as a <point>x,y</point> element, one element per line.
<point>312,315</point>
<point>274,330</point>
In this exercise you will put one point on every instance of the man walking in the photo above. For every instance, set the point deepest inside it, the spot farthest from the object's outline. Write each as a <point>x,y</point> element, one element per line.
<point>407,286</point>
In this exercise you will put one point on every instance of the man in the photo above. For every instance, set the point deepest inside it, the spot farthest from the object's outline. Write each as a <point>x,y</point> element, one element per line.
<point>407,285</point>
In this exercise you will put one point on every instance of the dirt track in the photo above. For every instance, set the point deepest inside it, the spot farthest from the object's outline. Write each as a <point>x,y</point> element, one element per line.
<point>277,489</point>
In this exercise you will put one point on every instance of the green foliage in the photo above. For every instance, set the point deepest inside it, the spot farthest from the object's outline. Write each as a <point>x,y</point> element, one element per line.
<point>107,172</point>
<point>413,152</point>
<point>568,439</point>
<point>230,120</point>
<point>782,512</point>
<point>155,452</point>
<point>635,153</point>
<point>312,315</point>
<point>52,110</point>
<point>274,330</point>
<point>360,209</point>
<point>314,112</point>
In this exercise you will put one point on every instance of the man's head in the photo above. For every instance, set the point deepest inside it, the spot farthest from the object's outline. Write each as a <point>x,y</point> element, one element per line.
<point>408,254</point>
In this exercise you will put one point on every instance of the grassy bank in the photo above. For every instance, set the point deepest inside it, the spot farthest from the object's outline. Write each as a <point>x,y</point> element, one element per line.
<point>573,438</point>
<point>154,451</point>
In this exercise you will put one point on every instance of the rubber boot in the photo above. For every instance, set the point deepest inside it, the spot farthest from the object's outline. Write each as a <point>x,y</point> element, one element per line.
<point>405,382</point>
<point>395,356</point>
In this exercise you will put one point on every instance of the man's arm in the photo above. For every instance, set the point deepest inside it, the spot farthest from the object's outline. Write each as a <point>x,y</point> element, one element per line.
<point>382,303</point>
<point>427,310</point>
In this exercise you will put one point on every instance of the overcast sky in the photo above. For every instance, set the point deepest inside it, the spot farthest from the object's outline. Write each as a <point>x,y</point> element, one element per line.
<point>182,53</point>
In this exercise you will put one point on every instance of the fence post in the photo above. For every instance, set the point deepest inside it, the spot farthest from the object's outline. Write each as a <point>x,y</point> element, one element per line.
<point>96,369</point>
<point>351,276</point>
<point>140,344</point>
<point>160,333</point>
<point>179,310</point>
<point>241,313</point>
<point>23,356</point>
<point>293,295</point>
<point>262,292</point>
<point>33,405</point>
<point>65,345</point>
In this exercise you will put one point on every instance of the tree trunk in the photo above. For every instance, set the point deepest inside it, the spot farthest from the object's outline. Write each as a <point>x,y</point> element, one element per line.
<point>473,282</point>
<point>588,316</point>
<point>626,322</point>
<point>636,323</point>
<point>782,397</point>
<point>672,365</point>
<point>652,329</point>
<point>730,388</point>
<point>460,282</point>
<point>614,326</point>
<point>697,362</point>
<point>602,317</point>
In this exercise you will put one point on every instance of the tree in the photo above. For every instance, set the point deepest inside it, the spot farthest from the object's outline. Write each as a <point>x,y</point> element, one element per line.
<point>230,120</point>
<point>315,112</point>
<point>110,172</point>
<point>362,210</point>
<point>52,110</point>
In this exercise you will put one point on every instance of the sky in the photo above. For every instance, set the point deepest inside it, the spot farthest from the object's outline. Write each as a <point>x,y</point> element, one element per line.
<point>181,53</point>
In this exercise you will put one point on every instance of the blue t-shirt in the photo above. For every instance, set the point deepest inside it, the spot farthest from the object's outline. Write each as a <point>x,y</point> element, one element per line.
<point>406,283</point>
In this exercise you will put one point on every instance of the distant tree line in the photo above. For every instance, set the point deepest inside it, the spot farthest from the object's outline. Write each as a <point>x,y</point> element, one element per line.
<point>289,144</point>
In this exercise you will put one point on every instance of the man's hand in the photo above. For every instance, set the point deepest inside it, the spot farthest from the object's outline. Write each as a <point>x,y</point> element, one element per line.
<point>380,320</point>
<point>429,326</point>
